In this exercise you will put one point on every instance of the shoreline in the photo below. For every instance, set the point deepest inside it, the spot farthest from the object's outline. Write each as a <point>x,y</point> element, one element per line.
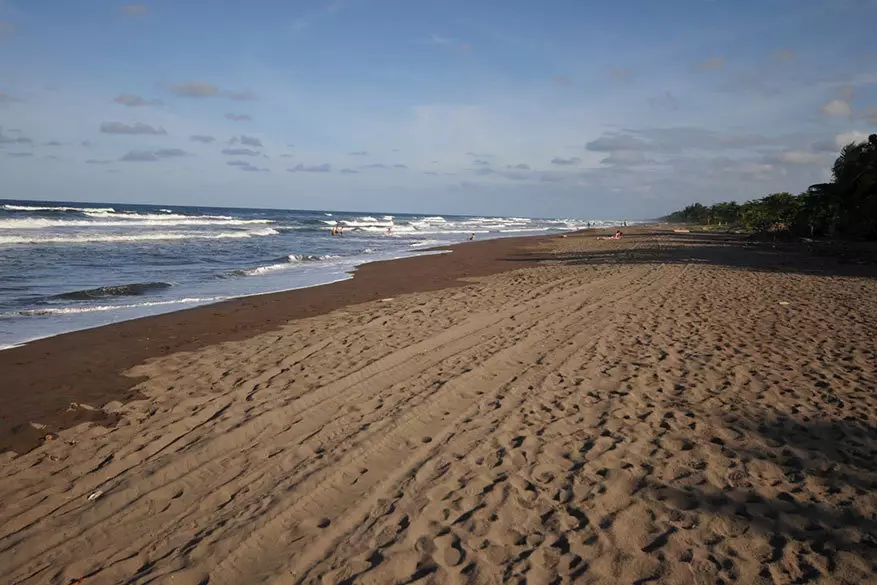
<point>87,365</point>
<point>186,306</point>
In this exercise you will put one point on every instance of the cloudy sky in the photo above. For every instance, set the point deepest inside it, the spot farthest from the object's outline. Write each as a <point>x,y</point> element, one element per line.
<point>628,108</point>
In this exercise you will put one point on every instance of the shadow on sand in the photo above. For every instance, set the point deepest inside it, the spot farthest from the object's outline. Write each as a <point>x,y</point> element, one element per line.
<point>827,468</point>
<point>814,505</point>
<point>730,250</point>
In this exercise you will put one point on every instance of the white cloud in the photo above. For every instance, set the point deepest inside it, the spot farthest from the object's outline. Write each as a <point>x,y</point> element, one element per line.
<point>836,108</point>
<point>251,141</point>
<point>321,168</point>
<point>199,89</point>
<point>151,155</point>
<point>757,171</point>
<point>131,100</point>
<point>626,158</point>
<point>170,152</point>
<point>245,166</point>
<point>139,156</point>
<point>613,142</point>
<point>195,89</point>
<point>852,136</point>
<point>136,128</point>
<point>240,152</point>
<point>797,157</point>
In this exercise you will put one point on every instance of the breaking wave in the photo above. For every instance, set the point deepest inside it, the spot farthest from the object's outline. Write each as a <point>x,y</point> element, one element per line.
<point>133,221</point>
<point>148,237</point>
<point>63,208</point>
<point>121,290</point>
<point>101,308</point>
<point>283,263</point>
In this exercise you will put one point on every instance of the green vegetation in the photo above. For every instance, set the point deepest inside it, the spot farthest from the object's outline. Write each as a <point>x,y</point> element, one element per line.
<point>847,206</point>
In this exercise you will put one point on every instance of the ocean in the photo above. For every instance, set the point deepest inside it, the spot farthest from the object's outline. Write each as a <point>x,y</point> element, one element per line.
<point>70,266</point>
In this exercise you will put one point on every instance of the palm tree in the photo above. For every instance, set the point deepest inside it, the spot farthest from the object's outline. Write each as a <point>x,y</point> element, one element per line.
<point>854,188</point>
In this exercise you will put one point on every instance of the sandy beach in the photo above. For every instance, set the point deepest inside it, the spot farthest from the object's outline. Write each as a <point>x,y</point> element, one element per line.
<point>675,408</point>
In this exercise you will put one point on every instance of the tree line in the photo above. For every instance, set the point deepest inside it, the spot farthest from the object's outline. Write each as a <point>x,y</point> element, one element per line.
<point>844,207</point>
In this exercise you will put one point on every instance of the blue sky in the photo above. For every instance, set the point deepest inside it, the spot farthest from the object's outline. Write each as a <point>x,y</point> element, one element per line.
<point>559,108</point>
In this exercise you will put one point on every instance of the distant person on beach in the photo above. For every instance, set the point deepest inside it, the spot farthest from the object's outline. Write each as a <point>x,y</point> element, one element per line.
<point>472,237</point>
<point>618,235</point>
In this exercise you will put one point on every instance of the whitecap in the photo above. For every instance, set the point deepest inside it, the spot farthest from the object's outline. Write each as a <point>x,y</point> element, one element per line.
<point>100,308</point>
<point>264,232</point>
<point>95,238</point>
<point>43,223</point>
<point>42,208</point>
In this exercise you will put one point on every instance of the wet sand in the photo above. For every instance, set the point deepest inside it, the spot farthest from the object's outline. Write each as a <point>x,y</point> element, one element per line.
<point>42,379</point>
<point>670,408</point>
